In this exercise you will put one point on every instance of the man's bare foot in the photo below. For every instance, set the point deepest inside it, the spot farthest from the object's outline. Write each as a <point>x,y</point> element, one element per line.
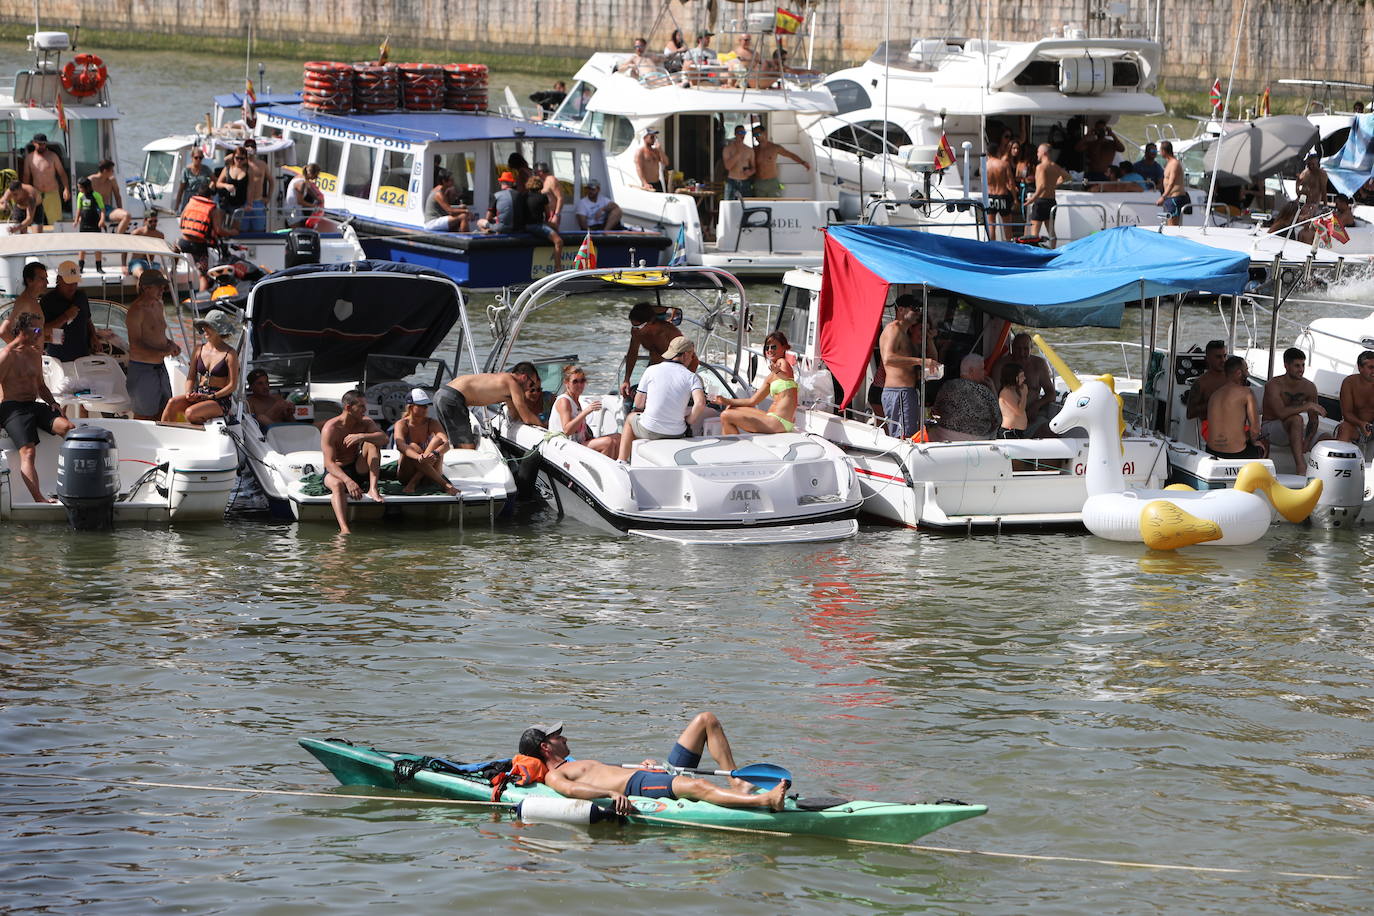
<point>777,796</point>
<point>453,491</point>
<point>375,495</point>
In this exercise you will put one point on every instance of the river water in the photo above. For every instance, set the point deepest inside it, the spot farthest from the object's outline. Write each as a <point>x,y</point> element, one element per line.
<point>1208,709</point>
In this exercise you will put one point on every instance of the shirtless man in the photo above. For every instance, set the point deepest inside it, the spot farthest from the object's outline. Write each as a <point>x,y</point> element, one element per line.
<point>1232,424</point>
<point>26,404</point>
<point>651,162</point>
<point>766,152</point>
<point>1001,176</point>
<point>35,278</point>
<point>149,387</point>
<point>43,170</point>
<point>591,779</point>
<point>1039,381</point>
<point>1048,177</point>
<point>1357,402</point>
<point>1099,148</point>
<point>738,157</point>
<point>900,401</point>
<point>22,201</point>
<point>1173,197</point>
<point>352,445</point>
<point>1287,398</point>
<point>552,189</point>
<point>103,183</point>
<point>266,405</point>
<point>652,333</point>
<point>640,63</point>
<point>1209,381</point>
<point>1312,182</point>
<point>261,185</point>
<point>451,402</point>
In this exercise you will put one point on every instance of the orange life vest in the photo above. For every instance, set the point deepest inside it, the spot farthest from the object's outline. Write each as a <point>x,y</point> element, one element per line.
<point>524,771</point>
<point>197,220</point>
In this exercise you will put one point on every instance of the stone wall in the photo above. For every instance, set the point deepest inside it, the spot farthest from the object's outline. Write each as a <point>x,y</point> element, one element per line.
<point>1282,38</point>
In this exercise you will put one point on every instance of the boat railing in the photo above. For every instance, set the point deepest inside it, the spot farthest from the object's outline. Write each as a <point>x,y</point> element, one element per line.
<point>927,206</point>
<point>1100,208</point>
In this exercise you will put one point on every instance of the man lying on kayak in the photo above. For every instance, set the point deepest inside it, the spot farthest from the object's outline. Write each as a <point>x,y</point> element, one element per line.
<point>591,779</point>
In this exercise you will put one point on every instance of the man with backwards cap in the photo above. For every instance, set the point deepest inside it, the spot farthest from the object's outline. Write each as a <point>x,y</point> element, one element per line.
<point>591,779</point>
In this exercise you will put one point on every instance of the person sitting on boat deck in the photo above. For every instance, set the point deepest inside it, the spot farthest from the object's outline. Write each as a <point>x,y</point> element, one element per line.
<point>1099,148</point>
<point>231,184</point>
<point>266,405</point>
<point>148,229</point>
<point>501,215</point>
<point>553,190</point>
<point>742,415</point>
<point>149,387</point>
<point>1130,173</point>
<point>1149,168</point>
<point>539,401</point>
<point>197,179</point>
<point>648,330</point>
<point>651,163</point>
<point>1288,398</point>
<point>699,63</point>
<point>451,402</point>
<point>673,49</point>
<point>1173,192</point>
<point>442,214</point>
<point>1357,402</point>
<point>202,225</point>
<point>766,152</point>
<point>104,183</point>
<point>304,199</point>
<point>422,442</point>
<point>1049,175</point>
<point>1344,215</point>
<point>639,64</point>
<point>573,411</point>
<point>42,170</point>
<point>965,408</point>
<point>26,404</point>
<point>665,391</point>
<point>213,377</point>
<point>1039,381</point>
<point>29,301</point>
<point>260,188</point>
<point>352,446</point>
<point>22,203</point>
<point>1012,393</point>
<point>67,319</point>
<point>591,779</point>
<point>1000,175</point>
<point>1233,428</point>
<point>535,206</point>
<point>743,62</point>
<point>595,212</point>
<point>1212,377</point>
<point>901,365</point>
<point>1312,182</point>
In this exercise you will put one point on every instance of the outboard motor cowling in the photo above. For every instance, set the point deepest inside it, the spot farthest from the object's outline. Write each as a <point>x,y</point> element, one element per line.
<point>88,477</point>
<point>302,247</point>
<point>1341,469</point>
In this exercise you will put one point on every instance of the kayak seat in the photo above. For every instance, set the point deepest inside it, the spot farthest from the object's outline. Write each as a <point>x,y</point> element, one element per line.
<point>820,802</point>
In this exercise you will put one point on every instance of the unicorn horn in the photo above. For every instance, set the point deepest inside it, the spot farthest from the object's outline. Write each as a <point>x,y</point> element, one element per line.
<point>1059,365</point>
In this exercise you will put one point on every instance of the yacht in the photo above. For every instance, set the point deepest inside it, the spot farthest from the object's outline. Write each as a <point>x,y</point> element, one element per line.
<point>702,489</point>
<point>322,330</point>
<point>695,118</point>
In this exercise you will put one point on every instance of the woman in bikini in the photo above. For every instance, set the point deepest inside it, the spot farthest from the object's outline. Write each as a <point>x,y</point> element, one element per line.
<point>572,413</point>
<point>741,415</point>
<point>210,383</point>
<point>422,442</point>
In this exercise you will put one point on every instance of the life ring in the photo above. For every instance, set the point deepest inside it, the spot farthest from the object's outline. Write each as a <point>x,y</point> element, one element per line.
<point>84,75</point>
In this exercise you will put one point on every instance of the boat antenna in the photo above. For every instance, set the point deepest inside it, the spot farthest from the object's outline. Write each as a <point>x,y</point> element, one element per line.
<point>887,87</point>
<point>983,108</point>
<point>248,56</point>
<point>1225,108</point>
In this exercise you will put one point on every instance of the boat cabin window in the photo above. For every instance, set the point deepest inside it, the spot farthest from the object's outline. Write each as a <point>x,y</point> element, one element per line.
<point>502,150</point>
<point>574,106</point>
<point>867,137</point>
<point>362,160</point>
<point>584,170</point>
<point>561,161</point>
<point>794,315</point>
<point>157,167</point>
<point>329,156</point>
<point>849,95</point>
<point>1039,73</point>
<point>393,183</point>
<point>463,166</point>
<point>618,132</point>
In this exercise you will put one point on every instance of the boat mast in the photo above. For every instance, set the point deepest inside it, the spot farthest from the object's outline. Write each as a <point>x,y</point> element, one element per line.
<point>1225,107</point>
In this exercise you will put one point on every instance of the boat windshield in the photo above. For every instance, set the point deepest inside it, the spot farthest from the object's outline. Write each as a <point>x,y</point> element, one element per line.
<point>574,106</point>
<point>157,167</point>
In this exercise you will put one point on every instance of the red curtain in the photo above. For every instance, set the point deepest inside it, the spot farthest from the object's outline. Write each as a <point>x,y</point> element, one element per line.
<point>851,308</point>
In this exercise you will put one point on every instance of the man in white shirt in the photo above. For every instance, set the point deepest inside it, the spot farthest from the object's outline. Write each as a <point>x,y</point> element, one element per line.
<point>594,211</point>
<point>665,389</point>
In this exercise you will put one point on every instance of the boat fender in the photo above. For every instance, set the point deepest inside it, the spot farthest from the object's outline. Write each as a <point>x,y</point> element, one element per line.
<point>562,811</point>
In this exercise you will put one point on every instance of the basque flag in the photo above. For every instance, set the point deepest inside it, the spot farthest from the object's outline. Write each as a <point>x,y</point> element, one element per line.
<point>1215,96</point>
<point>586,255</point>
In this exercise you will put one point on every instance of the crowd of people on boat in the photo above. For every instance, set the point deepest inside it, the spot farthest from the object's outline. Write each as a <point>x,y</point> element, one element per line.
<point>743,66</point>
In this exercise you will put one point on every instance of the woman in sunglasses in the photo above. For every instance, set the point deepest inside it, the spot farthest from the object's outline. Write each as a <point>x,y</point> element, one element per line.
<point>742,415</point>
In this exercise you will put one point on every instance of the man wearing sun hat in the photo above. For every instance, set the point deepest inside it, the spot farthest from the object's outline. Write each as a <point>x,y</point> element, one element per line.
<point>149,387</point>
<point>501,216</point>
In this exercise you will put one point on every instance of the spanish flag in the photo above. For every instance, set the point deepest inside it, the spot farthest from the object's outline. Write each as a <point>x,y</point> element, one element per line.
<point>944,156</point>
<point>384,51</point>
<point>248,92</point>
<point>586,255</point>
<point>1264,103</point>
<point>61,115</point>
<point>785,23</point>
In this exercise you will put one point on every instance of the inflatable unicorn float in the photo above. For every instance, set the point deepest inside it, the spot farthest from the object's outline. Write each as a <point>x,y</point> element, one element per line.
<point>1178,515</point>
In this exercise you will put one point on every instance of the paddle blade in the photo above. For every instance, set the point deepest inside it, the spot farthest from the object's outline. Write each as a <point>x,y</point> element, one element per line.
<point>763,775</point>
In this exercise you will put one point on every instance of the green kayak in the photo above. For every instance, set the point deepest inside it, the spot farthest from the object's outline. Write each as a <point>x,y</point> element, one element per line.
<point>868,821</point>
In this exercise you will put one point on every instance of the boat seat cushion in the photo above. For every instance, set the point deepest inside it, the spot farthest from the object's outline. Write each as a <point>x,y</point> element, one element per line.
<point>696,452</point>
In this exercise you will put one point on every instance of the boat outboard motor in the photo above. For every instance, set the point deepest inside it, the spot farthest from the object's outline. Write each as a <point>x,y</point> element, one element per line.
<point>1341,469</point>
<point>88,477</point>
<point>302,247</point>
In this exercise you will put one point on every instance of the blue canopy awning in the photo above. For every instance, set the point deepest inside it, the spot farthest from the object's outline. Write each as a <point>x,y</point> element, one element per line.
<point>1350,168</point>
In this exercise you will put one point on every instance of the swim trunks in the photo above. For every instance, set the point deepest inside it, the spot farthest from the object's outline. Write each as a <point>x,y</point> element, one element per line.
<point>23,419</point>
<point>149,388</point>
<point>1173,206</point>
<point>650,784</point>
<point>903,412</point>
<point>1250,451</point>
<point>451,410</point>
<point>1041,210</point>
<point>767,187</point>
<point>999,203</point>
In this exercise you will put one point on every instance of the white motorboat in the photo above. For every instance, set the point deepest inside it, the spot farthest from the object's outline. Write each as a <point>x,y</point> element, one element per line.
<point>153,472</point>
<point>754,236</point>
<point>321,330</point>
<point>705,488</point>
<point>910,94</point>
<point>974,291</point>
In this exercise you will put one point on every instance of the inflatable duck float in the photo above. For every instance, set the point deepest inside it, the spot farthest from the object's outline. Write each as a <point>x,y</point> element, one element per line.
<point>1178,515</point>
